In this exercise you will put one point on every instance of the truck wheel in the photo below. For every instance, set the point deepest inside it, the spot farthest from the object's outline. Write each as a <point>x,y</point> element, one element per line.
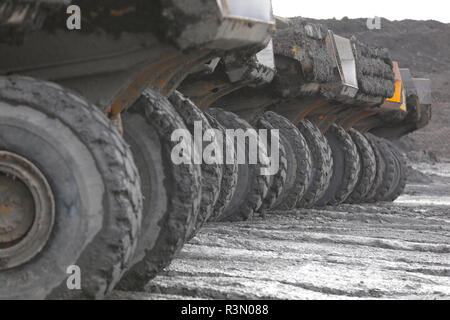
<point>172,191</point>
<point>402,164</point>
<point>278,180</point>
<point>346,167</point>
<point>211,174</point>
<point>298,161</point>
<point>368,167</point>
<point>380,169</point>
<point>392,173</point>
<point>322,164</point>
<point>252,187</point>
<point>70,195</point>
<point>230,172</point>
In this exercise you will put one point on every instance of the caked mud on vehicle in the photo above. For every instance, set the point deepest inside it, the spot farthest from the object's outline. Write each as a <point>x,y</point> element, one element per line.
<point>73,192</point>
<point>343,96</point>
<point>87,116</point>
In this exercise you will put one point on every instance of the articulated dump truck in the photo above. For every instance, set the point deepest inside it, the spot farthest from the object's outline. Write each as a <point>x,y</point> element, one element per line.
<point>88,182</point>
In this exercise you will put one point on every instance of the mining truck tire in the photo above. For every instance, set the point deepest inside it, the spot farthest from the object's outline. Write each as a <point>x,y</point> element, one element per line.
<point>278,180</point>
<point>229,172</point>
<point>368,167</point>
<point>252,186</point>
<point>148,127</point>
<point>346,167</point>
<point>63,160</point>
<point>380,169</point>
<point>211,174</point>
<point>402,163</point>
<point>322,164</point>
<point>298,158</point>
<point>391,177</point>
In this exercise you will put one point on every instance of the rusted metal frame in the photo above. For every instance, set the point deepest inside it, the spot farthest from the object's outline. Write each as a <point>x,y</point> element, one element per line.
<point>151,74</point>
<point>249,100</point>
<point>356,117</point>
<point>203,101</point>
<point>326,123</point>
<point>185,69</point>
<point>305,111</point>
<point>320,114</point>
<point>165,75</point>
<point>325,117</point>
<point>368,124</point>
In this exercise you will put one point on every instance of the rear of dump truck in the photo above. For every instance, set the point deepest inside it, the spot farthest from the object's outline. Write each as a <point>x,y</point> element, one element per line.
<point>71,189</point>
<point>118,140</point>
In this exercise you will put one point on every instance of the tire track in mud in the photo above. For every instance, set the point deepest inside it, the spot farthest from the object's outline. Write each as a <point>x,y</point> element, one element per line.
<point>387,251</point>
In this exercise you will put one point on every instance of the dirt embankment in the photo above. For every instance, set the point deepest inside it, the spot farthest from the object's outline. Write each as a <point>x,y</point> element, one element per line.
<point>389,251</point>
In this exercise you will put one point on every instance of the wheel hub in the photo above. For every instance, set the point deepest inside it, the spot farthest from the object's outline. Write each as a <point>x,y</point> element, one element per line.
<point>27,210</point>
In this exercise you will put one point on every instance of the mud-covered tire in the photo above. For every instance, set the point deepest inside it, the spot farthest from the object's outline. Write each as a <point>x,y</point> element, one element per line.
<point>380,169</point>
<point>252,186</point>
<point>211,174</point>
<point>298,158</point>
<point>368,167</point>
<point>278,180</point>
<point>391,175</point>
<point>229,172</point>
<point>148,153</point>
<point>95,184</point>
<point>322,164</point>
<point>403,170</point>
<point>166,230</point>
<point>346,167</point>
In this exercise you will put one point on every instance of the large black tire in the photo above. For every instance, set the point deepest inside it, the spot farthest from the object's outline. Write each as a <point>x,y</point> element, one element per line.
<point>346,167</point>
<point>298,158</point>
<point>211,174</point>
<point>94,181</point>
<point>252,186</point>
<point>403,171</point>
<point>149,125</point>
<point>278,180</point>
<point>391,177</point>
<point>380,169</point>
<point>229,173</point>
<point>368,167</point>
<point>322,164</point>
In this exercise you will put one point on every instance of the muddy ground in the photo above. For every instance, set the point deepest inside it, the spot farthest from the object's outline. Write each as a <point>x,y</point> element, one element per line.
<point>387,251</point>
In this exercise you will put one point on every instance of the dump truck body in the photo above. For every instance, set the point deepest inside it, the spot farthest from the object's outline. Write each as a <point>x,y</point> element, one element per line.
<point>125,41</point>
<point>328,79</point>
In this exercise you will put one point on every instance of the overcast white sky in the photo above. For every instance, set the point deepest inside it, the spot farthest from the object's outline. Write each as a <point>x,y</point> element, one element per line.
<point>390,9</point>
